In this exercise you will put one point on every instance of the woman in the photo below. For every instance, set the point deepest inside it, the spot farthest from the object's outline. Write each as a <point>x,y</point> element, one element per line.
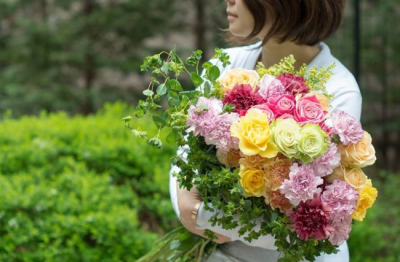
<point>289,27</point>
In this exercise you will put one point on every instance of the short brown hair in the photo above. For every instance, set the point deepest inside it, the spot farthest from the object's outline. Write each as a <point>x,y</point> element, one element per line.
<point>304,22</point>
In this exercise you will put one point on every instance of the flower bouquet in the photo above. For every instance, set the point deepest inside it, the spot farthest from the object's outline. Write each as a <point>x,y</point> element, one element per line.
<point>263,147</point>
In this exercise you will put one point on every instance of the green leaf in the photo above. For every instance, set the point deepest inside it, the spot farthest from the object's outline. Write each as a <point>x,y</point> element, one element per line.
<point>161,89</point>
<point>139,113</point>
<point>159,121</point>
<point>213,73</point>
<point>165,68</point>
<point>196,79</point>
<point>174,85</point>
<point>148,92</point>
<point>207,88</point>
<point>171,138</point>
<point>127,118</point>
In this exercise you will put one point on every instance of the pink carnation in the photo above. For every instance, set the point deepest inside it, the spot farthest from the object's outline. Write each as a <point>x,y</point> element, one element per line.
<point>311,219</point>
<point>346,127</point>
<point>270,86</point>
<point>340,199</point>
<point>221,134</point>
<point>309,110</point>
<point>294,84</point>
<point>280,105</point>
<point>204,117</point>
<point>325,164</point>
<point>341,231</point>
<point>301,185</point>
<point>243,97</point>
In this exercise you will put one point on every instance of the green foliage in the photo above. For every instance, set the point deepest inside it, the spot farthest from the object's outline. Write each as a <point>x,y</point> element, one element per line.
<point>64,55</point>
<point>377,238</point>
<point>74,189</point>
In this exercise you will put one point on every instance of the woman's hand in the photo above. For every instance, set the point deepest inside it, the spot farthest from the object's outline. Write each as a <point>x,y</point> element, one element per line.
<point>187,201</point>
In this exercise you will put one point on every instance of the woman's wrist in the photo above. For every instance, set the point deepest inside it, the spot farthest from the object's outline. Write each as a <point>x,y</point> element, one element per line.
<point>189,212</point>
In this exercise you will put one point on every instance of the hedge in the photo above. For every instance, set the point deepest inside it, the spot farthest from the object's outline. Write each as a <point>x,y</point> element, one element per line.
<point>80,188</point>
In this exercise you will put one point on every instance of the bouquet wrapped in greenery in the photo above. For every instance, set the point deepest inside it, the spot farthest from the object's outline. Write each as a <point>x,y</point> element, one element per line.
<point>264,149</point>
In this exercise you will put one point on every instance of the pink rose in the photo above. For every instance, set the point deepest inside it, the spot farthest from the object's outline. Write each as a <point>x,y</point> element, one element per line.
<point>270,86</point>
<point>265,108</point>
<point>309,110</point>
<point>294,84</point>
<point>281,105</point>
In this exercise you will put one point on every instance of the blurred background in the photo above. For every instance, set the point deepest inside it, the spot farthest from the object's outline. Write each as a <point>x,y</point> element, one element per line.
<point>75,186</point>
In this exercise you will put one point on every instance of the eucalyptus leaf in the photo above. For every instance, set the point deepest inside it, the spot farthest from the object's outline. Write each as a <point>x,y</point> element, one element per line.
<point>161,89</point>
<point>148,92</point>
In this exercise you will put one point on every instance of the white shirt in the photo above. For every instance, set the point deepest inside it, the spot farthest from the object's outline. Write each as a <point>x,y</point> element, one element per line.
<point>347,97</point>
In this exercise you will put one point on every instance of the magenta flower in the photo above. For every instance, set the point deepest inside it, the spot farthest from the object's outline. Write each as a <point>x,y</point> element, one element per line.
<point>311,220</point>
<point>243,97</point>
<point>346,127</point>
<point>294,84</point>
<point>204,117</point>
<point>341,231</point>
<point>270,86</point>
<point>325,164</point>
<point>280,105</point>
<point>340,199</point>
<point>301,185</point>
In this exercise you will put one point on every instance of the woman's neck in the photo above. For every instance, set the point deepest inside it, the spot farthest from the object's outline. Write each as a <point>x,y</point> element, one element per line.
<point>273,52</point>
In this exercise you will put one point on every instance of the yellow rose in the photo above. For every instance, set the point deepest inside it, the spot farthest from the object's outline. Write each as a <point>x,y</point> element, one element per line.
<point>322,99</point>
<point>367,198</point>
<point>230,78</point>
<point>356,178</point>
<point>361,154</point>
<point>254,134</point>
<point>252,182</point>
<point>337,173</point>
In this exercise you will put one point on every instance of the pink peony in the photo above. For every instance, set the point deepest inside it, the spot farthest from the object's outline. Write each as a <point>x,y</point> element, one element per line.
<point>340,199</point>
<point>294,84</point>
<point>309,110</point>
<point>301,185</point>
<point>311,220</point>
<point>243,97</point>
<point>270,86</point>
<point>346,127</point>
<point>341,231</point>
<point>280,105</point>
<point>325,164</point>
<point>204,117</point>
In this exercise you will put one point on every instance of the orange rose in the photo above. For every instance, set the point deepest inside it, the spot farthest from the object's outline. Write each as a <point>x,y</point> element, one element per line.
<point>230,78</point>
<point>361,154</point>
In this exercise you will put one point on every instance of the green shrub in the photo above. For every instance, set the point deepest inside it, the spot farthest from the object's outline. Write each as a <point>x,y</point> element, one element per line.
<point>377,238</point>
<point>80,189</point>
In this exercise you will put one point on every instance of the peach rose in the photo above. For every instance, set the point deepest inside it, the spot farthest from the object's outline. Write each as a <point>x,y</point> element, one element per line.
<point>277,200</point>
<point>337,173</point>
<point>230,159</point>
<point>356,178</point>
<point>360,154</point>
<point>231,77</point>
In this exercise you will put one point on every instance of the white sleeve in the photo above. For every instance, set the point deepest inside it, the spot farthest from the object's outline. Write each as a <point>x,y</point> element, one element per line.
<point>349,101</point>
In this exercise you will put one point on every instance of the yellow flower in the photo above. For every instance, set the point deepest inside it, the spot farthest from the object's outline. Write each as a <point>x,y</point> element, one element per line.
<point>252,182</point>
<point>361,154</point>
<point>366,199</point>
<point>230,78</point>
<point>254,134</point>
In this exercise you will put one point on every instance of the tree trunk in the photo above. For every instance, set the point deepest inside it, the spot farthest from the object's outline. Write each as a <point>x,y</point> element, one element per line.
<point>200,25</point>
